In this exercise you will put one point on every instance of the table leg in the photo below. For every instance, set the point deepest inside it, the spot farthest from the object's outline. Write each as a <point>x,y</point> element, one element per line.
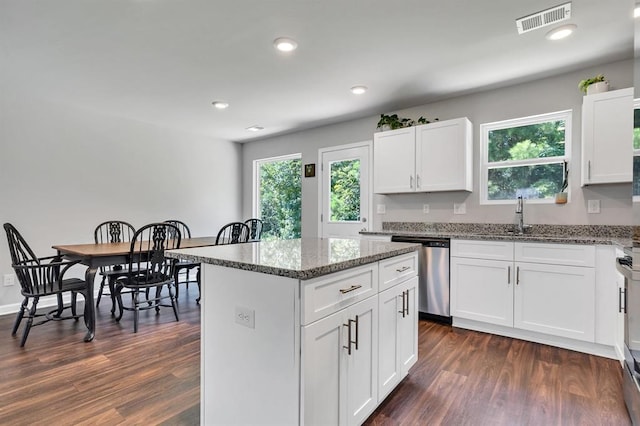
<point>89,305</point>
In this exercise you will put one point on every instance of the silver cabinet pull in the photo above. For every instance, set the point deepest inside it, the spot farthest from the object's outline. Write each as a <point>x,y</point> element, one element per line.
<point>407,310</point>
<point>350,289</point>
<point>417,181</point>
<point>404,268</point>
<point>508,274</point>
<point>589,169</point>
<point>621,308</point>
<point>517,275</point>
<point>403,303</point>
<point>411,182</point>
<point>349,341</point>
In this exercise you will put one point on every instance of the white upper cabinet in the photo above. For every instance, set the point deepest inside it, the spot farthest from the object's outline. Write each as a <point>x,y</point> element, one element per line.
<point>607,137</point>
<point>427,158</point>
<point>444,156</point>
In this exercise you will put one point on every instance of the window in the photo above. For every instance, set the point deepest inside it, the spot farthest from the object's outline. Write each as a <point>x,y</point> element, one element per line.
<point>278,196</point>
<point>636,149</point>
<point>524,157</point>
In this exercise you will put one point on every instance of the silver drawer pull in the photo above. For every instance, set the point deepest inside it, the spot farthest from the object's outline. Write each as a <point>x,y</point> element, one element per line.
<point>404,268</point>
<point>350,289</point>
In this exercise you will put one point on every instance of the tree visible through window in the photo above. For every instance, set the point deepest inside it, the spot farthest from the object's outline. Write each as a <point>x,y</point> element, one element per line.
<point>279,197</point>
<point>345,190</point>
<point>525,157</point>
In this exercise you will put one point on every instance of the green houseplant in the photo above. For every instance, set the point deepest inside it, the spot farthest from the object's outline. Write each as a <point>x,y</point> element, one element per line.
<point>583,85</point>
<point>393,122</point>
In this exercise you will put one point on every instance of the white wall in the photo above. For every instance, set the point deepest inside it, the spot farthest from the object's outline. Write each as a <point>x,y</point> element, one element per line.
<point>65,170</point>
<point>537,97</point>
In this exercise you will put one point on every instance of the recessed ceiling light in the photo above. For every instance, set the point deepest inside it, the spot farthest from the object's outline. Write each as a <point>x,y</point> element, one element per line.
<point>221,105</point>
<point>255,128</point>
<point>358,90</point>
<point>561,32</point>
<point>285,44</point>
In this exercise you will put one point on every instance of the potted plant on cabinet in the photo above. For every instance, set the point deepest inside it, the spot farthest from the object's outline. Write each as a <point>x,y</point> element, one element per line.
<point>393,122</point>
<point>562,196</point>
<point>592,85</point>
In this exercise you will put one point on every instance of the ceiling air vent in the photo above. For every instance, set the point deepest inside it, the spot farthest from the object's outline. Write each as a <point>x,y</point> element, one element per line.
<point>544,18</point>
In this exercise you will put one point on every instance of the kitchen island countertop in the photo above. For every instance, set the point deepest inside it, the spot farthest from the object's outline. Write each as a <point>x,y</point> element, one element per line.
<point>302,258</point>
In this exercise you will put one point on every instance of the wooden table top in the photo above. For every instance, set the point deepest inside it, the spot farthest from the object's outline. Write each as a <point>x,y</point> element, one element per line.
<point>111,249</point>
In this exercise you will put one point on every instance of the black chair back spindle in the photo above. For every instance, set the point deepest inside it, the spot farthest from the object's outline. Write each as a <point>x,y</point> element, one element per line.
<point>255,229</point>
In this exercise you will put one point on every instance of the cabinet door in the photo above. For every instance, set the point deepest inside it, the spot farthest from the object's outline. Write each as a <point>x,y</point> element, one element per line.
<point>362,363</point>
<point>607,137</point>
<point>408,326</point>
<point>398,334</point>
<point>482,290</point>
<point>444,156</point>
<point>323,371</point>
<point>394,161</point>
<point>555,299</point>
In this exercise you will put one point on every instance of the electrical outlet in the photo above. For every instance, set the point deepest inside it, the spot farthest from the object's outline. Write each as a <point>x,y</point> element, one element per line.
<point>245,316</point>
<point>425,208</point>
<point>9,280</point>
<point>381,209</point>
<point>460,208</point>
<point>593,206</point>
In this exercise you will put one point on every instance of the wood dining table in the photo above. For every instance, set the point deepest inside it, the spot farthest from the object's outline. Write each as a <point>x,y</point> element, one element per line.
<point>94,256</point>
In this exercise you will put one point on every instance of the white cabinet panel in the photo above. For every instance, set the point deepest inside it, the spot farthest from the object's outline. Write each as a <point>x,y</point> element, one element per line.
<point>397,269</point>
<point>607,137</point>
<point>481,290</point>
<point>481,249</point>
<point>556,254</point>
<point>554,299</point>
<point>394,161</point>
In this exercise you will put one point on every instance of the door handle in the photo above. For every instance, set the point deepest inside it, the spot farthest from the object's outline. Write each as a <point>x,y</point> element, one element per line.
<point>404,268</point>
<point>417,181</point>
<point>350,289</point>
<point>621,292</point>
<point>403,303</point>
<point>517,275</point>
<point>411,182</point>
<point>508,274</point>
<point>589,169</point>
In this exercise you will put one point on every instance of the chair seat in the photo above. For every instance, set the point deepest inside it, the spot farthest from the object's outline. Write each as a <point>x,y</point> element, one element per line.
<point>70,284</point>
<point>117,272</point>
<point>129,282</point>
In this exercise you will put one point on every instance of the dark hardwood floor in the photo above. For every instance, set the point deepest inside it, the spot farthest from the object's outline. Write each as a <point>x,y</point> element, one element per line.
<point>462,377</point>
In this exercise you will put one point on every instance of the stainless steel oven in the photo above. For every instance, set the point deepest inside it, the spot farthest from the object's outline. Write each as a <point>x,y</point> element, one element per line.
<point>629,303</point>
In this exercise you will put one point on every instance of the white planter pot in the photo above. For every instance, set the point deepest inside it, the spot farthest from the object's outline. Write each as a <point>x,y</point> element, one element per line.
<point>599,87</point>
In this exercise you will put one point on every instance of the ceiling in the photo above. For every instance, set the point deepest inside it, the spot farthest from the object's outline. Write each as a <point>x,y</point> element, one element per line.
<point>166,61</point>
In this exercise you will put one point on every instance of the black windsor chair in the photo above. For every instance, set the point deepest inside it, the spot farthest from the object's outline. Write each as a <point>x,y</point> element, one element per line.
<point>183,265</point>
<point>255,228</point>
<point>233,233</point>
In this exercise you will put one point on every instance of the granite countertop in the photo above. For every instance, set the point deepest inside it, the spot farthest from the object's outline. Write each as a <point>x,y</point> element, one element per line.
<point>564,234</point>
<point>575,239</point>
<point>298,258</point>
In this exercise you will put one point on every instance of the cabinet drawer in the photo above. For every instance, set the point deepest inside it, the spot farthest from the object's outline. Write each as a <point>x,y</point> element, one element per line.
<point>481,249</point>
<point>397,269</point>
<point>325,295</point>
<point>556,254</point>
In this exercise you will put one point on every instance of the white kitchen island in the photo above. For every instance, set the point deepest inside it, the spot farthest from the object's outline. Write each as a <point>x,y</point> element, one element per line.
<point>304,331</point>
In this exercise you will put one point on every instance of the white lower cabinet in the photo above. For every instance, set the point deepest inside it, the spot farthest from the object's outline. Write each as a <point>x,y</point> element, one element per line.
<point>340,358</point>
<point>555,299</point>
<point>350,351</point>
<point>398,334</point>
<point>548,295</point>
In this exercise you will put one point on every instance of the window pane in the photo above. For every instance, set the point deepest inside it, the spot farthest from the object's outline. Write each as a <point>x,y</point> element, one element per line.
<point>345,191</point>
<point>636,129</point>
<point>532,182</point>
<point>526,142</point>
<point>636,175</point>
<point>280,199</point>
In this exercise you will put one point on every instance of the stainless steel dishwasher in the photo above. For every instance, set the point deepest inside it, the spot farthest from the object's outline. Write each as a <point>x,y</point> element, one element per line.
<point>433,272</point>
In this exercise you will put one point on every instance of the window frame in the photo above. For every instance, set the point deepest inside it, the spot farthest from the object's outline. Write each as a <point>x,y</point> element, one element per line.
<point>485,165</point>
<point>255,210</point>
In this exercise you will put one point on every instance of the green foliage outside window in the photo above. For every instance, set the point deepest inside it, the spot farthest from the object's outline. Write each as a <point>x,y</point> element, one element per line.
<point>280,199</point>
<point>535,181</point>
<point>345,190</point>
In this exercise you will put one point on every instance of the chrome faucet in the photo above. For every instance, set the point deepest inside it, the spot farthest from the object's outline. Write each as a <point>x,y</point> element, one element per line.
<point>520,213</point>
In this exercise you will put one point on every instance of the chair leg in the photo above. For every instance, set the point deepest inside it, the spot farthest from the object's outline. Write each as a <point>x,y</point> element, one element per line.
<point>175,280</point>
<point>20,315</point>
<point>101,290</point>
<point>136,311</point>
<point>173,300</point>
<point>27,328</point>
<point>118,294</point>
<point>198,281</point>
<point>112,281</point>
<point>157,300</point>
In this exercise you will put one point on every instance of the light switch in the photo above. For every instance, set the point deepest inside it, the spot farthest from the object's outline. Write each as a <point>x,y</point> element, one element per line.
<point>381,209</point>
<point>245,316</point>
<point>425,208</point>
<point>593,206</point>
